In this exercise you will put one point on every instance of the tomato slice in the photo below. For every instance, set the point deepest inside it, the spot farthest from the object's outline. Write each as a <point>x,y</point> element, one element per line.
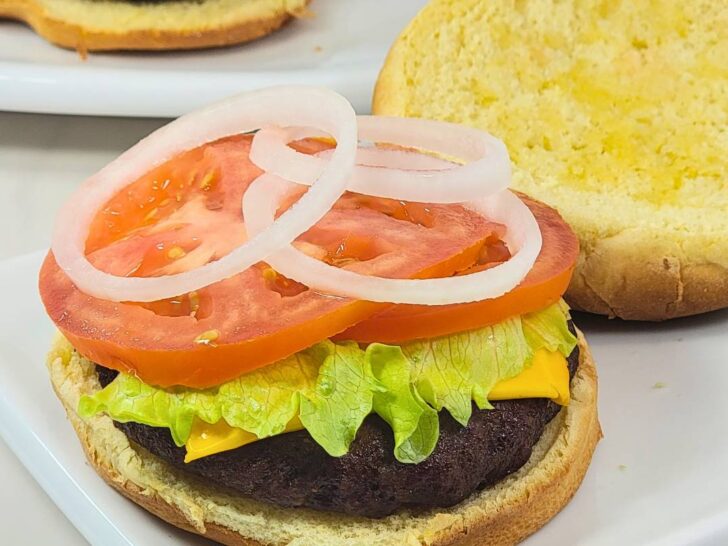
<point>186,213</point>
<point>543,285</point>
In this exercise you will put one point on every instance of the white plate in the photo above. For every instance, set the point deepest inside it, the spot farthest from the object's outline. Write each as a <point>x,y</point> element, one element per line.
<point>342,47</point>
<point>658,477</point>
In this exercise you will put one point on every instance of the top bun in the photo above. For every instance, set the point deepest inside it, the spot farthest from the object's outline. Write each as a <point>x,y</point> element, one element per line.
<point>613,112</point>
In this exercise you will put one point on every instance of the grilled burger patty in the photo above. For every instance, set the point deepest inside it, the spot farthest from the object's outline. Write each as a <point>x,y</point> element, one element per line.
<point>292,470</point>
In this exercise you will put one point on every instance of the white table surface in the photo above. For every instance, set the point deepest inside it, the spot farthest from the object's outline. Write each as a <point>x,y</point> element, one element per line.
<point>42,158</point>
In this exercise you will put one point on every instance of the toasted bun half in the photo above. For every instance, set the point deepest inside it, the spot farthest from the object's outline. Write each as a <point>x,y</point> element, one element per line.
<point>98,25</point>
<point>614,113</point>
<point>504,514</point>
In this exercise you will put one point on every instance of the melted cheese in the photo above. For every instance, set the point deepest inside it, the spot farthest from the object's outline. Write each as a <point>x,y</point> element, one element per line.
<point>547,377</point>
<point>207,439</point>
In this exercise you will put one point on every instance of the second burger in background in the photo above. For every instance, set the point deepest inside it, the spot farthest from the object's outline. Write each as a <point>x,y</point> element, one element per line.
<point>103,25</point>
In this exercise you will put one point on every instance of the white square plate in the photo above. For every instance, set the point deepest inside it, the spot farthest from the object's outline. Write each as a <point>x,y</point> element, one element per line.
<point>658,477</point>
<point>342,46</point>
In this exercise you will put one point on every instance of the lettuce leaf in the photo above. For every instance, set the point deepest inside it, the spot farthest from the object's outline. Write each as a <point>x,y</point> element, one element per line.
<point>342,398</point>
<point>452,371</point>
<point>128,399</point>
<point>549,329</point>
<point>415,424</point>
<point>333,387</point>
<point>267,400</point>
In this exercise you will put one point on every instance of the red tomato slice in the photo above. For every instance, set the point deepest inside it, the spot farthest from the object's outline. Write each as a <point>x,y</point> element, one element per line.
<point>186,213</point>
<point>543,285</point>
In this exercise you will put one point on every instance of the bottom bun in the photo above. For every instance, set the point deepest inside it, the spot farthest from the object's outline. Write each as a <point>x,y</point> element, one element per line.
<point>503,514</point>
<point>91,25</point>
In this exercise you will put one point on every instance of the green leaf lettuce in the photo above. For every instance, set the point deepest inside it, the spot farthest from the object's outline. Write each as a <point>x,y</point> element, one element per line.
<point>333,387</point>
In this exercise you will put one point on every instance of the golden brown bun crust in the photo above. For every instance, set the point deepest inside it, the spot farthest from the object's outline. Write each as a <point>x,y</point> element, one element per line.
<point>161,509</point>
<point>626,277</point>
<point>505,514</point>
<point>72,35</point>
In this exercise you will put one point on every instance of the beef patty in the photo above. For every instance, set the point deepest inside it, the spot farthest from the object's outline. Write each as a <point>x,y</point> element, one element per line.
<point>292,470</point>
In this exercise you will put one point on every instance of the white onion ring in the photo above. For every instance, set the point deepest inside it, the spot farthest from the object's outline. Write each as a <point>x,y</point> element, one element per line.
<point>398,174</point>
<point>391,158</point>
<point>298,105</point>
<point>487,170</point>
<point>395,159</point>
<point>523,235</point>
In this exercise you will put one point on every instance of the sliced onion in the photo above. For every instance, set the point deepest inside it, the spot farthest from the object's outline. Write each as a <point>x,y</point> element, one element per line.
<point>395,159</point>
<point>284,106</point>
<point>487,170</point>
<point>522,236</point>
<point>382,172</point>
<point>391,158</point>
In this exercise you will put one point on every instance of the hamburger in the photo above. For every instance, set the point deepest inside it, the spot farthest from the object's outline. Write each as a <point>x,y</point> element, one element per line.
<point>383,358</point>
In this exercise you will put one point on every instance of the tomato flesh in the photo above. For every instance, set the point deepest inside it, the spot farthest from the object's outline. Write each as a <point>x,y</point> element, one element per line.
<point>543,286</point>
<point>179,216</point>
